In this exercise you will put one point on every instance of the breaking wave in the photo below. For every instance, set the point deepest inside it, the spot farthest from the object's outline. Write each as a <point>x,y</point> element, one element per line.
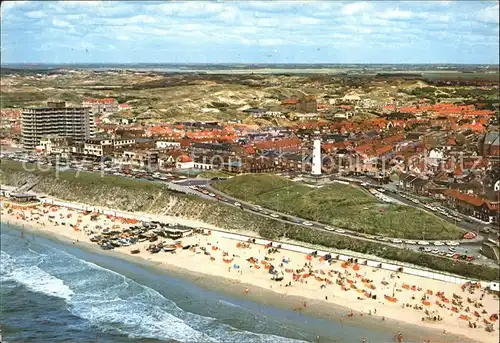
<point>117,304</point>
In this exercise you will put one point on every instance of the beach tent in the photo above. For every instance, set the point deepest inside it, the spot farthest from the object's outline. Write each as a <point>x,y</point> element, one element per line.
<point>391,299</point>
<point>235,266</point>
<point>494,286</point>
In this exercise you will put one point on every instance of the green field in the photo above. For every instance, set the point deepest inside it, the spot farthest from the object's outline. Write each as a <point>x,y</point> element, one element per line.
<point>339,205</point>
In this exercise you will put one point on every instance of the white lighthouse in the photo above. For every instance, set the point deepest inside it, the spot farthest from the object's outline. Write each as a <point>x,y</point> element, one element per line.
<point>316,160</point>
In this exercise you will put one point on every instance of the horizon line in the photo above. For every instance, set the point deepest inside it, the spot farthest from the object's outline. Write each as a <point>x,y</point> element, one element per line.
<point>241,63</point>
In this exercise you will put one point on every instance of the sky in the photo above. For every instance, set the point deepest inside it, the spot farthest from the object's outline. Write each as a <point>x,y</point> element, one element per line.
<point>250,32</point>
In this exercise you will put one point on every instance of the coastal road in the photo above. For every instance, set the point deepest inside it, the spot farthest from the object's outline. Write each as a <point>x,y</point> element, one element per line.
<point>183,186</point>
<point>466,247</point>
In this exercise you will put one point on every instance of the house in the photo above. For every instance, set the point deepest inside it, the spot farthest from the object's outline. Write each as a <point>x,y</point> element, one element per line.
<point>175,159</point>
<point>137,158</point>
<point>491,144</point>
<point>98,147</point>
<point>145,143</point>
<point>473,206</point>
<point>255,112</point>
<point>167,144</point>
<point>124,107</point>
<point>50,143</point>
<point>123,143</point>
<point>436,154</point>
<point>101,106</point>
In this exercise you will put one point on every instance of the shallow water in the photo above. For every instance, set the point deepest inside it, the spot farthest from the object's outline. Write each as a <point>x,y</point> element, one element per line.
<point>55,292</point>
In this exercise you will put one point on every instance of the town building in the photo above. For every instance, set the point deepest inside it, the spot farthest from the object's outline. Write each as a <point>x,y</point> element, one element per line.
<point>98,147</point>
<point>99,107</point>
<point>51,144</point>
<point>55,119</point>
<point>167,144</point>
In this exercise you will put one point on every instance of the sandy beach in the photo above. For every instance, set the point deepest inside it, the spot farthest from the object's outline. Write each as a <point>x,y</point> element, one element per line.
<point>311,284</point>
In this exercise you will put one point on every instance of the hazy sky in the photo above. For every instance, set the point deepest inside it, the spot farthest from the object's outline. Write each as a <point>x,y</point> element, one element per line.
<point>258,32</point>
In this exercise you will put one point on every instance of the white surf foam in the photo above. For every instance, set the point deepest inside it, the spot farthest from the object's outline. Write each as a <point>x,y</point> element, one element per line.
<point>34,278</point>
<point>114,302</point>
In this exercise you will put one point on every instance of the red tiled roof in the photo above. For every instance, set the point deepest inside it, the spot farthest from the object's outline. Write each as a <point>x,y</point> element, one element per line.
<point>290,102</point>
<point>458,171</point>
<point>250,150</point>
<point>493,205</point>
<point>363,148</point>
<point>184,159</point>
<point>282,143</point>
<point>383,150</point>
<point>328,147</point>
<point>394,139</point>
<point>470,199</point>
<point>100,101</point>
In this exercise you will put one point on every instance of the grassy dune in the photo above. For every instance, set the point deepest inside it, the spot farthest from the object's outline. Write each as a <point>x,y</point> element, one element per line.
<point>340,205</point>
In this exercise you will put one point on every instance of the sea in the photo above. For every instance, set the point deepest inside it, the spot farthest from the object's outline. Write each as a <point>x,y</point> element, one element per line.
<point>58,292</point>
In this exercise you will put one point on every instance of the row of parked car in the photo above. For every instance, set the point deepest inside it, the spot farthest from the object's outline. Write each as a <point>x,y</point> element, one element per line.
<point>97,167</point>
<point>258,208</point>
<point>451,253</point>
<point>437,209</point>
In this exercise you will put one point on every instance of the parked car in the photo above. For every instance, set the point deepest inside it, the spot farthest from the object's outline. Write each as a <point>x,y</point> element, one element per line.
<point>237,204</point>
<point>329,228</point>
<point>438,243</point>
<point>340,231</point>
<point>410,242</point>
<point>423,243</point>
<point>274,215</point>
<point>397,241</point>
<point>307,224</point>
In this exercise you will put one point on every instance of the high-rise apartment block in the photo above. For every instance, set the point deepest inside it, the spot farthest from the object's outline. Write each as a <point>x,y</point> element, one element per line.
<point>56,119</point>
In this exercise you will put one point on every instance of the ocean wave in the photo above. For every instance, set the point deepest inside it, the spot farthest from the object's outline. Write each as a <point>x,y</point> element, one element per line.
<point>34,278</point>
<point>113,302</point>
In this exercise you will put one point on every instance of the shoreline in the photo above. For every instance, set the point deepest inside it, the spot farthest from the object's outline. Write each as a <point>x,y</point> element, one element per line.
<point>262,295</point>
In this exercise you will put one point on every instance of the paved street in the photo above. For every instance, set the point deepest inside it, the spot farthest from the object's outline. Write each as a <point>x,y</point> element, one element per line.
<point>467,247</point>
